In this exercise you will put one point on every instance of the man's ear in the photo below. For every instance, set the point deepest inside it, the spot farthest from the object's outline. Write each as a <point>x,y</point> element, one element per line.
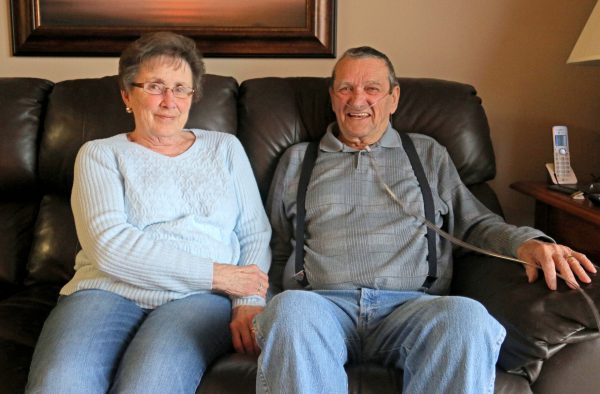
<point>395,98</point>
<point>331,98</point>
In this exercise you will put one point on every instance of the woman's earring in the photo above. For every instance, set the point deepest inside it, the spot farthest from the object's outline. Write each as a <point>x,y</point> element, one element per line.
<point>128,110</point>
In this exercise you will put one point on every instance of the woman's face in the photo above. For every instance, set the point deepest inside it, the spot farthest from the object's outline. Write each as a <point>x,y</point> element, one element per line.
<point>163,114</point>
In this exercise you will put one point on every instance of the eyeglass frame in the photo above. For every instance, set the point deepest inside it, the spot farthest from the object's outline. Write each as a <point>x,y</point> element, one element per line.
<point>143,85</point>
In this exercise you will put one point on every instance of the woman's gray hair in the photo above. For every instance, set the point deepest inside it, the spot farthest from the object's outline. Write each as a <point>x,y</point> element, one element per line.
<point>366,51</point>
<point>151,46</point>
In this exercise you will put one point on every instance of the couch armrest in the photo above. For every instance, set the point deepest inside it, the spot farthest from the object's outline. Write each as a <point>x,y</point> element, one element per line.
<point>539,322</point>
<point>573,370</point>
<point>7,289</point>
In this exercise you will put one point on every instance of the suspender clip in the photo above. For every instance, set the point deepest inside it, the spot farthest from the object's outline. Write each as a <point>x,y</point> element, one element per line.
<point>299,276</point>
<point>428,282</point>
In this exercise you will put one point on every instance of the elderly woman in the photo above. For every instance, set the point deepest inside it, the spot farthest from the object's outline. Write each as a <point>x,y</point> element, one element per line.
<point>174,243</point>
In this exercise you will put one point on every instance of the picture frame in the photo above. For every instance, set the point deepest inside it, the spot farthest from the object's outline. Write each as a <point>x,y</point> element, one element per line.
<point>312,37</point>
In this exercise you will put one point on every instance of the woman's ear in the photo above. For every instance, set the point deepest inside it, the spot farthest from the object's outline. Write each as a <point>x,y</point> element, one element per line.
<point>125,97</point>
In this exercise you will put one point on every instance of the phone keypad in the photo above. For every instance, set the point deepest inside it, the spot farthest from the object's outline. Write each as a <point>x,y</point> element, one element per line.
<point>562,164</point>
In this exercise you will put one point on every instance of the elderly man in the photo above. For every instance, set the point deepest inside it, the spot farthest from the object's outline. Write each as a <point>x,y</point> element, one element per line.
<point>370,289</point>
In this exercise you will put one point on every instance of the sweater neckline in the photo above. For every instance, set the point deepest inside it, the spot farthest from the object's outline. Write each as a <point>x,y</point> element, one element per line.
<point>152,152</point>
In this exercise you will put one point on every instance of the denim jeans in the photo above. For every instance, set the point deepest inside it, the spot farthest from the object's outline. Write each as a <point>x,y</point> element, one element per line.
<point>444,344</point>
<point>95,341</point>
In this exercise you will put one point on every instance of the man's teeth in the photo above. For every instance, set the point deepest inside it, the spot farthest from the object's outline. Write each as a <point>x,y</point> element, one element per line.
<point>358,114</point>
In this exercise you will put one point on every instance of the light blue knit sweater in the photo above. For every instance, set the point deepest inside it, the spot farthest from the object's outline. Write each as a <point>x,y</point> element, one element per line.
<point>151,226</point>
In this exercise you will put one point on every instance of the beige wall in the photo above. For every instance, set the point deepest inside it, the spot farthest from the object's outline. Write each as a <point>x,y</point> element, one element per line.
<point>512,51</point>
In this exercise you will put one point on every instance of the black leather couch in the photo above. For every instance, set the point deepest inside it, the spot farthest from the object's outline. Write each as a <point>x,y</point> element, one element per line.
<point>43,124</point>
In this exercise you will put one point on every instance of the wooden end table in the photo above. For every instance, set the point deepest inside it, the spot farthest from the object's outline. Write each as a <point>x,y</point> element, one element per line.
<point>572,222</point>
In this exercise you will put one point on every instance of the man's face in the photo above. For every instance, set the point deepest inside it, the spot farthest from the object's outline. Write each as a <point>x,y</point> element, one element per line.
<point>361,99</point>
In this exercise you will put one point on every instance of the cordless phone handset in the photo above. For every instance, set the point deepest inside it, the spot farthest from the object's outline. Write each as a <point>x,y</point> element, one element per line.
<point>560,171</point>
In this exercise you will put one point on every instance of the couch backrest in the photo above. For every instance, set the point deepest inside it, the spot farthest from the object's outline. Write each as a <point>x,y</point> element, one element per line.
<point>85,109</point>
<point>22,105</point>
<point>276,113</point>
<point>270,114</point>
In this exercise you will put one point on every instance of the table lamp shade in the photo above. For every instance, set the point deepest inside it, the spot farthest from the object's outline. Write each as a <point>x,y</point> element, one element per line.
<point>587,48</point>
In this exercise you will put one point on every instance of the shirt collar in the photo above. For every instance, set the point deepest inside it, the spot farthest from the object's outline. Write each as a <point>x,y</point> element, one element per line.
<point>330,143</point>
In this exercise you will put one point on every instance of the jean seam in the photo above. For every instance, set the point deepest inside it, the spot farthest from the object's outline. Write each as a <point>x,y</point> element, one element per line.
<point>498,343</point>
<point>260,339</point>
<point>263,381</point>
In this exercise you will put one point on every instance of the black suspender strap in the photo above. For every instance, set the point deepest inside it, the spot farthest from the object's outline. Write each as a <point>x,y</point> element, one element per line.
<point>417,166</point>
<point>307,166</point>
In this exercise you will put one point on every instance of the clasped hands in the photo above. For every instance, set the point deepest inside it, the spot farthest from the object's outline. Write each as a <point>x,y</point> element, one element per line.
<point>241,281</point>
<point>555,259</point>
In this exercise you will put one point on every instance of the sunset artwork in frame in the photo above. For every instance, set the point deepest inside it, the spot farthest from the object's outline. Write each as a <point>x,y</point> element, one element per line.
<point>221,28</point>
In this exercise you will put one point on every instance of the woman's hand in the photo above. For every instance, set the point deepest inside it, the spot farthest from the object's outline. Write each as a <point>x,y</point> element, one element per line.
<point>242,332</point>
<point>238,281</point>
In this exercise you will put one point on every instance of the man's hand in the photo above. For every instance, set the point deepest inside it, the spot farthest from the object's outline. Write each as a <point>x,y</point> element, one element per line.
<point>553,258</point>
<point>242,332</point>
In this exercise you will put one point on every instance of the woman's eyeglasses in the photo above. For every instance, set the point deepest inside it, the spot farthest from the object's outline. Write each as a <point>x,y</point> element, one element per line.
<point>157,88</point>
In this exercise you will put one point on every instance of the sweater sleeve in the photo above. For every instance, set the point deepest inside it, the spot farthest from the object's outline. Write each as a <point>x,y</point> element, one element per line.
<point>472,221</point>
<point>252,227</point>
<point>119,249</point>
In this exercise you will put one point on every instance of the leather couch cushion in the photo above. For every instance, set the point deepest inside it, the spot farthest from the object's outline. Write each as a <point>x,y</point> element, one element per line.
<point>236,373</point>
<point>22,111</point>
<point>452,113</point>
<point>276,113</point>
<point>78,111</point>
<point>539,322</point>
<point>22,317</point>
<point>52,257</point>
<point>16,232</point>
<point>14,359</point>
<point>579,362</point>
<point>486,195</point>
<point>23,101</point>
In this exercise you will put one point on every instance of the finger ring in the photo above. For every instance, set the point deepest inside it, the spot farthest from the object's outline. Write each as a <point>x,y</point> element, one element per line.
<point>570,257</point>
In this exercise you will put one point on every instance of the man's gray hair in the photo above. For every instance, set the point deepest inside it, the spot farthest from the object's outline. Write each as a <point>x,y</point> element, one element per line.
<point>364,52</point>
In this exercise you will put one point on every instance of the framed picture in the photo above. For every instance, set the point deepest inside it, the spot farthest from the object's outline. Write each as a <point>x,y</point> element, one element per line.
<point>221,28</point>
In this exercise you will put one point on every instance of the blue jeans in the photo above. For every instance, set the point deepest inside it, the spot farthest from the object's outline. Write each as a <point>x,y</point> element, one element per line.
<point>444,344</point>
<point>95,341</point>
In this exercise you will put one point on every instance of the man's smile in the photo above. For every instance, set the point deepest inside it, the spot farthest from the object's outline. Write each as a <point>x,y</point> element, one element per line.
<point>358,115</point>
